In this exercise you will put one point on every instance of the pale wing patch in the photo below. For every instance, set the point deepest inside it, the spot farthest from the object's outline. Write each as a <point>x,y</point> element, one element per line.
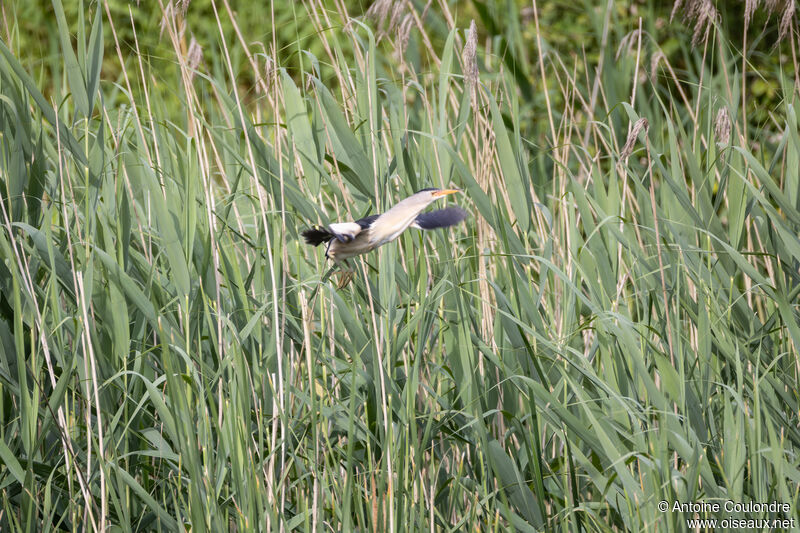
<point>345,231</point>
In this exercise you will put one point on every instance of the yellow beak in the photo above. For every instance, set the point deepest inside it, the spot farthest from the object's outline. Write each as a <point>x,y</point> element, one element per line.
<point>445,192</point>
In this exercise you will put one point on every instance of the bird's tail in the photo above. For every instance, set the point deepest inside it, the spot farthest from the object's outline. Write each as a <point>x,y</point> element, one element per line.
<point>316,236</point>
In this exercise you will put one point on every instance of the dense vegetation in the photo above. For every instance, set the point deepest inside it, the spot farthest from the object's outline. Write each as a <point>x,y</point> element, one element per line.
<point>616,324</point>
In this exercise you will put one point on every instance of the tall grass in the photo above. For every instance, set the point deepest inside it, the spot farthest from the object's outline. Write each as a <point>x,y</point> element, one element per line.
<point>615,325</point>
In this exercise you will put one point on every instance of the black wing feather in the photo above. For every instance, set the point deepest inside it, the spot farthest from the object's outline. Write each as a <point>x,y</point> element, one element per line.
<point>367,221</point>
<point>442,218</point>
<point>316,236</point>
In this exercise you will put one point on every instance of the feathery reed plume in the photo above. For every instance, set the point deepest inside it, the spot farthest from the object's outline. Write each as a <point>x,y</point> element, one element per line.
<point>675,8</point>
<point>184,6</point>
<point>786,19</point>
<point>704,15</point>
<point>702,12</point>
<point>403,34</point>
<point>469,56</point>
<point>169,12</point>
<point>388,17</point>
<point>194,55</point>
<point>657,57</point>
<point>749,8</point>
<point>398,11</point>
<point>628,42</point>
<point>722,126</point>
<point>641,125</point>
<point>378,11</point>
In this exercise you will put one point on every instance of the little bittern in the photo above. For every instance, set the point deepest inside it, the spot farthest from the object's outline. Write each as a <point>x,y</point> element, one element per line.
<point>348,239</point>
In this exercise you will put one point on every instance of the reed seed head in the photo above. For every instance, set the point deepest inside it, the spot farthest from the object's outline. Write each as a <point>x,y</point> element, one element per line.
<point>722,126</point>
<point>470,59</point>
<point>641,125</point>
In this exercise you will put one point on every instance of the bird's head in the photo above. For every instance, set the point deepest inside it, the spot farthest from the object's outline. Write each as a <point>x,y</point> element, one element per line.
<point>402,214</point>
<point>428,196</point>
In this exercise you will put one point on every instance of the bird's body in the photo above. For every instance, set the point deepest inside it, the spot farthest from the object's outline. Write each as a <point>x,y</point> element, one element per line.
<point>349,239</point>
<point>356,239</point>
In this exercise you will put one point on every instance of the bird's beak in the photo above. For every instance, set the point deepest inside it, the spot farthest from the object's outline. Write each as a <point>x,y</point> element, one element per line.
<point>445,192</point>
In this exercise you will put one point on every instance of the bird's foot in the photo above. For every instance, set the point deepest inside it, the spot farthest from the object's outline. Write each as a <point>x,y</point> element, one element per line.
<point>345,277</point>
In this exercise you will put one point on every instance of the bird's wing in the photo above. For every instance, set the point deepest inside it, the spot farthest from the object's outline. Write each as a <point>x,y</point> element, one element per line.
<point>345,231</point>
<point>341,231</point>
<point>367,221</point>
<point>442,218</point>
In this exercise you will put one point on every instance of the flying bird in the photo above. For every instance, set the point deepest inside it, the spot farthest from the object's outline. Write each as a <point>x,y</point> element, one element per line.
<point>349,239</point>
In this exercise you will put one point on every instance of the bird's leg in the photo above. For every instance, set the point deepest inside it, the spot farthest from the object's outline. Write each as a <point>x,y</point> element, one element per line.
<point>345,275</point>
